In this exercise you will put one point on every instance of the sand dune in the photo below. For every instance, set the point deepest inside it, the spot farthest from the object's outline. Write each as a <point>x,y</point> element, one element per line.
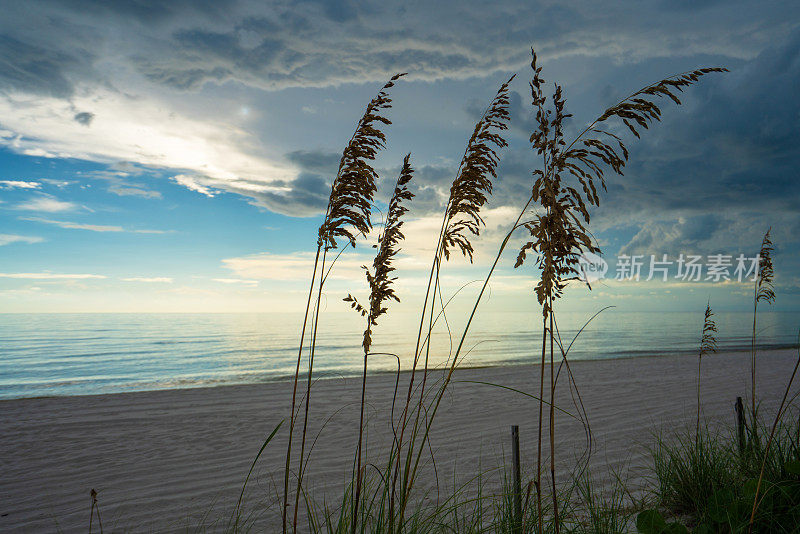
<point>174,460</point>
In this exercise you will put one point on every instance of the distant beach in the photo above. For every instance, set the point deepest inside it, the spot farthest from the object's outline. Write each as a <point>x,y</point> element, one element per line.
<point>176,459</point>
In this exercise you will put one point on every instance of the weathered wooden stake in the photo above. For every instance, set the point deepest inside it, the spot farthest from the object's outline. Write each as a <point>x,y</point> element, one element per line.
<point>740,424</point>
<point>517,479</point>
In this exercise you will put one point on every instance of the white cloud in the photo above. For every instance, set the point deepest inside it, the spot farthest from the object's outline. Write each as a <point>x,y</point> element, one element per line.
<point>236,281</point>
<point>154,280</point>
<point>117,184</point>
<point>191,182</point>
<point>421,234</point>
<point>76,226</point>
<point>46,203</point>
<point>61,184</point>
<point>296,266</point>
<point>150,231</point>
<point>51,276</point>
<point>141,129</point>
<point>19,184</point>
<point>413,261</point>
<point>91,227</point>
<point>131,191</point>
<point>7,239</point>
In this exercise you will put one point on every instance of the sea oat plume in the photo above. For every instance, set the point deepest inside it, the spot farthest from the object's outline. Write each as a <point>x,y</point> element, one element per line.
<point>379,278</point>
<point>708,342</point>
<point>473,184</point>
<point>354,187</point>
<point>765,271</point>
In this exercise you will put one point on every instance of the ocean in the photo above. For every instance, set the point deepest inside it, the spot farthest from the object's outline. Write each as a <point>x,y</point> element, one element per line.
<point>80,354</point>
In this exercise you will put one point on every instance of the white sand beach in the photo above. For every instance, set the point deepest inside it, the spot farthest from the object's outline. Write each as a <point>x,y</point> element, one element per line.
<point>175,460</point>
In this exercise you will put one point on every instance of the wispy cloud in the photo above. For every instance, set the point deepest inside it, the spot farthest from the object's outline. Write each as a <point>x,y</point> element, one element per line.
<point>61,184</point>
<point>7,239</point>
<point>236,281</point>
<point>19,184</point>
<point>51,276</point>
<point>150,231</point>
<point>266,266</point>
<point>192,183</point>
<point>154,280</point>
<point>46,203</point>
<point>91,227</point>
<point>76,226</point>
<point>133,191</point>
<point>118,184</point>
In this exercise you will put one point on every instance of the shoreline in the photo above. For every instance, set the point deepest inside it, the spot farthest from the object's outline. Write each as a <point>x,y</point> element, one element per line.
<point>162,460</point>
<point>380,373</point>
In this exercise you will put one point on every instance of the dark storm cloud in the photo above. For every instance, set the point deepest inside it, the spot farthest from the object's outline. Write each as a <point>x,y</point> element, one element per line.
<point>184,44</point>
<point>714,175</point>
<point>183,79</point>
<point>733,144</point>
<point>672,238</point>
<point>429,184</point>
<point>304,196</point>
<point>338,10</point>
<point>307,195</point>
<point>522,116</point>
<point>33,69</point>
<point>145,11</point>
<point>84,117</point>
<point>315,161</point>
<point>732,154</point>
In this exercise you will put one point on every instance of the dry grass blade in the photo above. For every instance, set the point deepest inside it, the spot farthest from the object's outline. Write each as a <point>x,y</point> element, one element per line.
<point>354,187</point>
<point>778,416</point>
<point>473,184</point>
<point>95,511</point>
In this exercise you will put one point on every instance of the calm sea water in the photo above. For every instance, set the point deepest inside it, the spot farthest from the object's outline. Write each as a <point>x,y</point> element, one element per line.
<point>75,354</point>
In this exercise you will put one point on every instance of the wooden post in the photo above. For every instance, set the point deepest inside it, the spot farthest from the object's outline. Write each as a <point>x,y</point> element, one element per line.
<point>740,424</point>
<point>517,479</point>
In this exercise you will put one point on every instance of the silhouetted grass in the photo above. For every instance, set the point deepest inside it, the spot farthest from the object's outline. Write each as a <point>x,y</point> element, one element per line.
<point>708,481</point>
<point>381,495</point>
<point>559,235</point>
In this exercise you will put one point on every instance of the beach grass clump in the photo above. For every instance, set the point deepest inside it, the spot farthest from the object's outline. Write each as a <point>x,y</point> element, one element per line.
<point>748,481</point>
<point>690,467</point>
<point>598,508</point>
<point>713,485</point>
<point>565,188</point>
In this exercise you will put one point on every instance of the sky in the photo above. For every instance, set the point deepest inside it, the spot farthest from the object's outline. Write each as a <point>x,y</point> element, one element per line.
<point>177,156</point>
